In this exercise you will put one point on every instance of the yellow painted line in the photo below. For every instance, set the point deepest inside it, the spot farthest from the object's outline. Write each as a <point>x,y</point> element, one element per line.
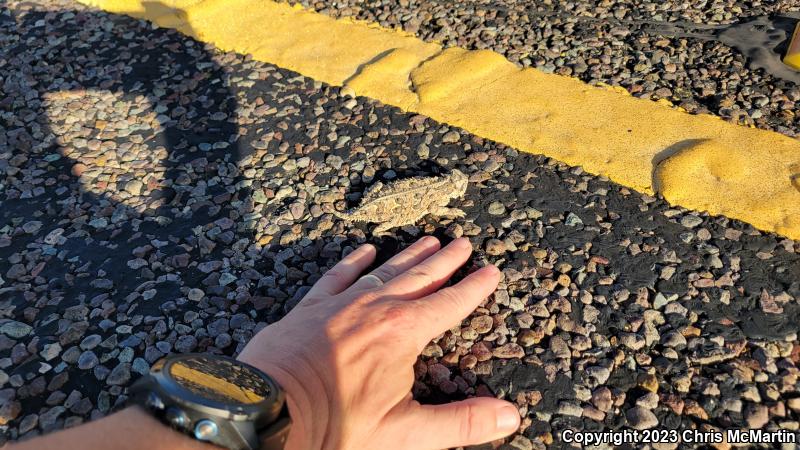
<point>696,161</point>
<point>792,58</point>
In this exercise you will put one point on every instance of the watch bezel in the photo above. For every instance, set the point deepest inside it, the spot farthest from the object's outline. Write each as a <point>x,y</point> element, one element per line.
<point>264,411</point>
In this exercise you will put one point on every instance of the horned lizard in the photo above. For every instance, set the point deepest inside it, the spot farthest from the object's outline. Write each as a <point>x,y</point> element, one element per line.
<point>406,201</point>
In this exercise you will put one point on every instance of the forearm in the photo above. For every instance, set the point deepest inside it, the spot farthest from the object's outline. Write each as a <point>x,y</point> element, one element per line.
<point>129,429</point>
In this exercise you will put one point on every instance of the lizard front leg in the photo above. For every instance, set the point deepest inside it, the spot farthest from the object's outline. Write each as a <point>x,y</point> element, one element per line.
<point>382,229</point>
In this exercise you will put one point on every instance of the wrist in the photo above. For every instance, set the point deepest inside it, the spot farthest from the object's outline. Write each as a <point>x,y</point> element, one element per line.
<point>306,400</point>
<point>297,403</point>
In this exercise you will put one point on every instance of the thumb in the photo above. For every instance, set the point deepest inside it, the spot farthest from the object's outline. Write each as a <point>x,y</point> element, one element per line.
<point>467,422</point>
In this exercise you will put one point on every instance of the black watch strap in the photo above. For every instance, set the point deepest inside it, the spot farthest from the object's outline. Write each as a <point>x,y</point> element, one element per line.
<point>274,437</point>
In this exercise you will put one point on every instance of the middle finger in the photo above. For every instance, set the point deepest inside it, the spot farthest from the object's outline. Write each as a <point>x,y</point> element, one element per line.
<point>432,273</point>
<point>408,258</point>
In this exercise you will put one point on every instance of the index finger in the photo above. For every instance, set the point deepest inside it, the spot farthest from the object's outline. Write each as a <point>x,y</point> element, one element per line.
<point>344,273</point>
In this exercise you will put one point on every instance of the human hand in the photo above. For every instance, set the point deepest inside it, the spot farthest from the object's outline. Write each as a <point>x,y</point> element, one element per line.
<point>345,354</point>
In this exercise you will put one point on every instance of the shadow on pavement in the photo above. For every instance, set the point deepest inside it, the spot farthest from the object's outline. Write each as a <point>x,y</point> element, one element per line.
<point>195,128</point>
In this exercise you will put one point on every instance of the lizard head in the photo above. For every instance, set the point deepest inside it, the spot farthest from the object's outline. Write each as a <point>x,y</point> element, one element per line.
<point>459,181</point>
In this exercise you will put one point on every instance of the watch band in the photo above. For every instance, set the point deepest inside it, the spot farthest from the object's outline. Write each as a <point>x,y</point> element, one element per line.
<point>274,436</point>
<point>216,399</point>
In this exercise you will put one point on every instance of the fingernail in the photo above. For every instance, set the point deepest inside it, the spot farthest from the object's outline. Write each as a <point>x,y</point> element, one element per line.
<point>427,240</point>
<point>507,418</point>
<point>492,269</point>
<point>462,242</point>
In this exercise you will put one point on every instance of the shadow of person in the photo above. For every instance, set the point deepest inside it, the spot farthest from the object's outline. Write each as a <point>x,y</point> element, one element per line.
<point>119,162</point>
<point>165,163</point>
<point>119,152</point>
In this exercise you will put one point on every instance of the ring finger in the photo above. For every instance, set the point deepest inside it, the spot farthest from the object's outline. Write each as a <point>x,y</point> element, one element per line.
<point>408,258</point>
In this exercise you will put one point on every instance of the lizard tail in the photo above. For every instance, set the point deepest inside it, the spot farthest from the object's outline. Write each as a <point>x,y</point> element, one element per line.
<point>342,215</point>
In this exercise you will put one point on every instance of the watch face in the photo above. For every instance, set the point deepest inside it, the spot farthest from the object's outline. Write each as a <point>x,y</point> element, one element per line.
<point>221,380</point>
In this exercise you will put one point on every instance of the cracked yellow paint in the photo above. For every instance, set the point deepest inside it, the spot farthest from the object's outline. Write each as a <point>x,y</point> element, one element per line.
<point>696,161</point>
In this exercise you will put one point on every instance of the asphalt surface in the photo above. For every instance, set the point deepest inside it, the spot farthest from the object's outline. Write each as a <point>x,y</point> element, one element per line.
<point>160,196</point>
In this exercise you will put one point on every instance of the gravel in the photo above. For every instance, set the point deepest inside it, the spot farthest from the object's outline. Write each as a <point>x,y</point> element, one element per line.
<point>615,308</point>
<point>14,329</point>
<point>640,418</point>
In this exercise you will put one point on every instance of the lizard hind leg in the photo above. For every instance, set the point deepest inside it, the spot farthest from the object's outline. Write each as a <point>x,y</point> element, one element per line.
<point>443,211</point>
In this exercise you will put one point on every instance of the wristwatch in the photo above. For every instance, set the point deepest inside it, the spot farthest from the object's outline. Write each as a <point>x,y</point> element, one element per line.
<point>216,399</point>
